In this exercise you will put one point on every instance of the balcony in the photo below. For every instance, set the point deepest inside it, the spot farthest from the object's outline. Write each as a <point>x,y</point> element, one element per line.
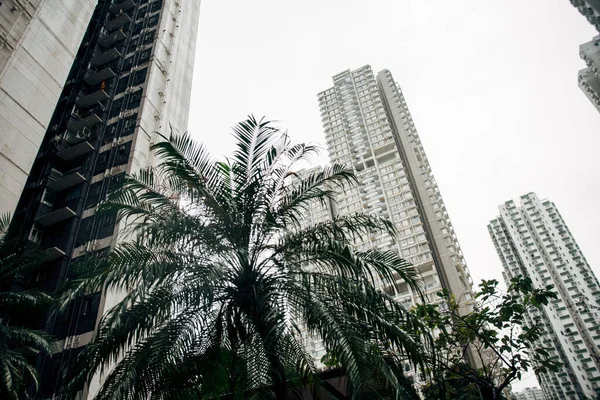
<point>75,151</point>
<point>106,57</point>
<point>117,22</point>
<point>95,77</point>
<point>84,122</point>
<point>121,6</point>
<point>92,98</point>
<point>52,253</point>
<point>107,41</point>
<point>54,217</point>
<point>61,181</point>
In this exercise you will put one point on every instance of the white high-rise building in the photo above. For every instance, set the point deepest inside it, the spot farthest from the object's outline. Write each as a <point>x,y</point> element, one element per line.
<point>38,43</point>
<point>590,9</point>
<point>532,240</point>
<point>530,394</point>
<point>589,78</point>
<point>368,128</point>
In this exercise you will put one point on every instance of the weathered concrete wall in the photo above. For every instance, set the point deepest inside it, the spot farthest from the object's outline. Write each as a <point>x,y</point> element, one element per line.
<point>33,69</point>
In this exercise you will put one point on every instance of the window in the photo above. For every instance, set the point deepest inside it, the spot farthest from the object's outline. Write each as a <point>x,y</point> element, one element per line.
<point>115,183</point>
<point>48,197</point>
<point>88,306</point>
<point>115,108</point>
<point>101,162</point>
<point>137,28</point>
<point>156,6</point>
<point>128,63</point>
<point>93,195</point>
<point>134,100</point>
<point>153,20</point>
<point>149,37</point>
<point>122,156</point>
<point>145,55</point>
<point>133,43</point>
<point>128,125</point>
<point>109,133</point>
<point>140,76</point>
<point>84,233</point>
<point>35,235</point>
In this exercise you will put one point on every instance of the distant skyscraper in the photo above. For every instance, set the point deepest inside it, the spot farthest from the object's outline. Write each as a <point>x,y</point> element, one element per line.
<point>589,9</point>
<point>530,394</point>
<point>38,43</point>
<point>368,128</point>
<point>589,78</point>
<point>532,240</point>
<point>131,79</point>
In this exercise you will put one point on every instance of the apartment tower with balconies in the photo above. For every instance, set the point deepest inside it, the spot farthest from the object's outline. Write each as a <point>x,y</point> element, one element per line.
<point>533,240</point>
<point>589,78</point>
<point>368,127</point>
<point>131,79</point>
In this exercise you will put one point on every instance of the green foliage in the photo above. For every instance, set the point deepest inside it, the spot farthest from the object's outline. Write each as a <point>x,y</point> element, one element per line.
<point>18,345</point>
<point>222,273</point>
<point>493,335</point>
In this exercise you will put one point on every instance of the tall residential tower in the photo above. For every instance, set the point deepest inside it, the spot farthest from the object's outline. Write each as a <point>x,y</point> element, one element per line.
<point>130,80</point>
<point>368,128</point>
<point>38,43</point>
<point>532,240</point>
<point>589,78</point>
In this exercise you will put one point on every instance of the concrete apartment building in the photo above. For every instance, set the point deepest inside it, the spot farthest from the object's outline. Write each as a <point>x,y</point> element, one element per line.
<point>589,78</point>
<point>530,394</point>
<point>368,128</point>
<point>131,79</point>
<point>533,240</point>
<point>38,43</point>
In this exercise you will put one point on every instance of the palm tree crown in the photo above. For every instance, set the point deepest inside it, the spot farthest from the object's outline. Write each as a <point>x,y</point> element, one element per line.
<point>18,344</point>
<point>221,274</point>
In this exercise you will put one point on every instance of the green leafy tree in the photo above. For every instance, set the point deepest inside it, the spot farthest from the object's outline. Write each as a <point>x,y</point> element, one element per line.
<point>222,273</point>
<point>502,345</point>
<point>18,344</point>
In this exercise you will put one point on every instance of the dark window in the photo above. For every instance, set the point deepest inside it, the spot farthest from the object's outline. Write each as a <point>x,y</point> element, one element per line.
<point>128,63</point>
<point>134,100</point>
<point>115,108</point>
<point>153,20</point>
<point>101,162</point>
<point>128,125</point>
<point>156,6</point>
<point>122,154</point>
<point>140,76</point>
<point>73,194</point>
<point>142,12</point>
<point>133,43</point>
<point>145,55</point>
<point>122,85</point>
<point>106,225</point>
<point>149,37</point>
<point>116,182</point>
<point>85,232</point>
<point>109,133</point>
<point>137,28</point>
<point>93,196</point>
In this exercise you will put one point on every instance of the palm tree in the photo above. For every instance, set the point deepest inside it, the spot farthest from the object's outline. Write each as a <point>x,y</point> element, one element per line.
<point>18,344</point>
<point>223,275</point>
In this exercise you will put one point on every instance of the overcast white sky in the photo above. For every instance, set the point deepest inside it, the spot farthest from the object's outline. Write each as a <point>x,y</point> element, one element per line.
<point>492,87</point>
